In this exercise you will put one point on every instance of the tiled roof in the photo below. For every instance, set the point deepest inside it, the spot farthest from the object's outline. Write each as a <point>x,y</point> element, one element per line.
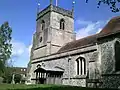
<point>90,40</point>
<point>48,69</point>
<point>113,26</point>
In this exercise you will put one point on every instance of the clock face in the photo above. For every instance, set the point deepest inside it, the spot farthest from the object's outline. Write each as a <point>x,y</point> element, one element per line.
<point>40,39</point>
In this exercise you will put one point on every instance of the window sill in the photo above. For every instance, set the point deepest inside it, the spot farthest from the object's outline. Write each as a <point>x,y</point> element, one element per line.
<point>80,76</point>
<point>117,72</point>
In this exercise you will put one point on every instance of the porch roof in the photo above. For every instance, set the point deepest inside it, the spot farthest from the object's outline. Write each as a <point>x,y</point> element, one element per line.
<point>47,69</point>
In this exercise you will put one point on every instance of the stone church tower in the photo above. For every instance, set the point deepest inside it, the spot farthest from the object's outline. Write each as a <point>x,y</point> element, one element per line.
<point>55,27</point>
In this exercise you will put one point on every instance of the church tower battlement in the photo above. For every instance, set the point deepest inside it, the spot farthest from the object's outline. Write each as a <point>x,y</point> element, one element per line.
<point>55,28</point>
<point>56,9</point>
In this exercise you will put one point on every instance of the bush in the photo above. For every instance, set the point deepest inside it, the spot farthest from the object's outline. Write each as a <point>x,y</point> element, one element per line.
<point>17,78</point>
<point>7,78</point>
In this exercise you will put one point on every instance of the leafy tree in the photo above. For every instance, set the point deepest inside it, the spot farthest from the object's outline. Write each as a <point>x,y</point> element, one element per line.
<point>2,69</point>
<point>7,75</point>
<point>113,4</point>
<point>5,46</point>
<point>7,78</point>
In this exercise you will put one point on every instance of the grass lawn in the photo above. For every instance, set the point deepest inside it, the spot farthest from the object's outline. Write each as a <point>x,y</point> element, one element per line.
<point>43,87</point>
<point>22,86</point>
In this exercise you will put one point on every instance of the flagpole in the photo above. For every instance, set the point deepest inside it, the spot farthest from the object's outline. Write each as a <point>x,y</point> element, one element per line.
<point>56,2</point>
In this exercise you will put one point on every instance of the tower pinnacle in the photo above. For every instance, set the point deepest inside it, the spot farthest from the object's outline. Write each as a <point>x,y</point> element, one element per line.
<point>51,2</point>
<point>38,7</point>
<point>73,4</point>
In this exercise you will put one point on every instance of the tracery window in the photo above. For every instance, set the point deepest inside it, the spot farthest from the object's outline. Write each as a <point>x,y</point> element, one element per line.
<point>43,25</point>
<point>117,56</point>
<point>62,24</point>
<point>81,66</point>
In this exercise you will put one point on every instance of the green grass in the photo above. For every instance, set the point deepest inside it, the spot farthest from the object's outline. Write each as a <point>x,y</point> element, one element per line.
<point>43,87</point>
<point>22,86</point>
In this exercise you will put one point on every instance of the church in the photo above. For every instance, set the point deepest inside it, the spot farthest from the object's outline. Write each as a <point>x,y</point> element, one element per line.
<point>58,58</point>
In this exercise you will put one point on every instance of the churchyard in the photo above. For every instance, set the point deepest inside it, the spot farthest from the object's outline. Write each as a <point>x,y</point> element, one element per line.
<point>44,87</point>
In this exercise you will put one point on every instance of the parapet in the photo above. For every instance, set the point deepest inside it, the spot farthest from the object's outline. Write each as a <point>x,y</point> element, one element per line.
<point>53,8</point>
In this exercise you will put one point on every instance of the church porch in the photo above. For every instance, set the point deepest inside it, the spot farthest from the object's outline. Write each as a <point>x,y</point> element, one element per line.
<point>48,75</point>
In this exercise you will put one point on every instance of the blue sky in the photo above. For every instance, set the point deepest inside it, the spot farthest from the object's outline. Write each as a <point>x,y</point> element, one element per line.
<point>21,15</point>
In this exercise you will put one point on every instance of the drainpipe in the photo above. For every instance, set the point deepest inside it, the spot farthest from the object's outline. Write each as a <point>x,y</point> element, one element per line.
<point>97,46</point>
<point>69,58</point>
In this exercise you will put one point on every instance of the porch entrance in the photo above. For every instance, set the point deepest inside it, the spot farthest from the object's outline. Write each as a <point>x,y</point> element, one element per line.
<point>48,75</point>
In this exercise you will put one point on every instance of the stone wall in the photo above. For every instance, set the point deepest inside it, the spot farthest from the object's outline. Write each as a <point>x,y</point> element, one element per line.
<point>74,82</point>
<point>107,49</point>
<point>62,62</point>
<point>46,18</point>
<point>59,38</point>
<point>55,21</point>
<point>39,52</point>
<point>111,81</point>
<point>110,77</point>
<point>107,57</point>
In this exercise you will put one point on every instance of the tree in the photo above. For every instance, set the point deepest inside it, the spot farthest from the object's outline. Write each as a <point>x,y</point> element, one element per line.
<point>5,45</point>
<point>17,78</point>
<point>7,78</point>
<point>113,4</point>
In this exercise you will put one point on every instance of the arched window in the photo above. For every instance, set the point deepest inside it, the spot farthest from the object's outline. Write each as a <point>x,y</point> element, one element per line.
<point>42,24</point>
<point>62,24</point>
<point>117,56</point>
<point>81,66</point>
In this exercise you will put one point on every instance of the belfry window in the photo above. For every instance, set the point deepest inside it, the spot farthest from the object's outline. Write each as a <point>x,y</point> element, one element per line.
<point>43,25</point>
<point>81,66</point>
<point>62,24</point>
<point>117,56</point>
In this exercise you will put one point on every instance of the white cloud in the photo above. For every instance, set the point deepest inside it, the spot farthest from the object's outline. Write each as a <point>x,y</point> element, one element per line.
<point>20,54</point>
<point>82,22</point>
<point>18,48</point>
<point>88,28</point>
<point>99,29</point>
<point>29,49</point>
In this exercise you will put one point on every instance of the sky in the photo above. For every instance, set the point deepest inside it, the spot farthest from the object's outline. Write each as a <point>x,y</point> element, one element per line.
<point>21,15</point>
